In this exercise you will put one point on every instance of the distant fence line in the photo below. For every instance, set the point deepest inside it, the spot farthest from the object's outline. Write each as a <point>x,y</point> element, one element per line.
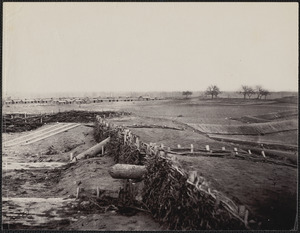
<point>79,101</point>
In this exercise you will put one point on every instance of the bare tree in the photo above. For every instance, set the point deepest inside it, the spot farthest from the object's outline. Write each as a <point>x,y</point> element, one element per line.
<point>250,92</point>
<point>187,93</point>
<point>213,90</point>
<point>246,91</point>
<point>260,91</point>
<point>265,93</point>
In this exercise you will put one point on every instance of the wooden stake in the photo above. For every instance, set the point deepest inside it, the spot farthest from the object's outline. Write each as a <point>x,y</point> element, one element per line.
<point>178,146</point>
<point>137,143</point>
<point>77,192</point>
<point>236,151</point>
<point>263,154</point>
<point>223,148</point>
<point>98,192</point>
<point>71,156</point>
<point>249,151</point>
<point>246,218</point>
<point>102,150</point>
<point>207,147</point>
<point>192,148</point>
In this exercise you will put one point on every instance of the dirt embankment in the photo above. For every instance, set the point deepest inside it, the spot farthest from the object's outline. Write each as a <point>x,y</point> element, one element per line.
<point>268,190</point>
<point>27,183</point>
<point>22,122</point>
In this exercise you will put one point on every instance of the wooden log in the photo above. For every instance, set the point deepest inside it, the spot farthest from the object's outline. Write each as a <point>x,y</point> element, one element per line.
<point>93,150</point>
<point>127,171</point>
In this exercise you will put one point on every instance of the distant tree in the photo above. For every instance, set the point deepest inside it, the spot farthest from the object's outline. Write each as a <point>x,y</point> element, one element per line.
<point>187,93</point>
<point>212,90</point>
<point>260,92</point>
<point>265,93</point>
<point>250,92</point>
<point>246,91</point>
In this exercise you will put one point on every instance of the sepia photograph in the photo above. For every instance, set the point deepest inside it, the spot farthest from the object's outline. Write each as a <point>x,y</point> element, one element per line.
<point>150,116</point>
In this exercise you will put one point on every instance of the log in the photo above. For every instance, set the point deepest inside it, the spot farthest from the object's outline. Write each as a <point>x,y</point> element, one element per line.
<point>127,171</point>
<point>93,150</point>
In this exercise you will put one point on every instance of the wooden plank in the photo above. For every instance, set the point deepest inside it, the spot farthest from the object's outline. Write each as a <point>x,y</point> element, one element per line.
<point>52,134</point>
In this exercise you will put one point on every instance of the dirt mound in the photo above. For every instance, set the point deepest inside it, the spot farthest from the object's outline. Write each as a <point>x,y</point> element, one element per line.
<point>288,99</point>
<point>283,115</point>
<point>253,129</point>
<point>16,123</point>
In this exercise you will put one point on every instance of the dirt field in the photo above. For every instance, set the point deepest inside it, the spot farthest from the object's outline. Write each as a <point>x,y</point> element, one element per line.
<point>269,191</point>
<point>21,179</point>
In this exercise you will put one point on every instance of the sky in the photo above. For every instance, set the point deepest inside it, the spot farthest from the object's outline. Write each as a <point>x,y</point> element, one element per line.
<point>88,47</point>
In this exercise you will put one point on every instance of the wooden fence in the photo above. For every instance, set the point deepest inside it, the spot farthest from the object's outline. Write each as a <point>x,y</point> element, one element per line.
<point>199,183</point>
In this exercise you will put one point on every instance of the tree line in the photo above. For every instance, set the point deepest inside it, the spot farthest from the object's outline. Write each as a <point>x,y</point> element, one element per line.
<point>246,91</point>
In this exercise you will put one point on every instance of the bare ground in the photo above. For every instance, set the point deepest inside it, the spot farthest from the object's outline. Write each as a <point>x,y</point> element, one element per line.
<point>268,190</point>
<point>20,185</point>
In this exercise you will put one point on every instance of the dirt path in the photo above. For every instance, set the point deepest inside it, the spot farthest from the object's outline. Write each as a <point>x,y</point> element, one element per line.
<point>39,187</point>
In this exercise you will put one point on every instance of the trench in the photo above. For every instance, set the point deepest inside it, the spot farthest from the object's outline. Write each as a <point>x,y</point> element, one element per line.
<point>30,207</point>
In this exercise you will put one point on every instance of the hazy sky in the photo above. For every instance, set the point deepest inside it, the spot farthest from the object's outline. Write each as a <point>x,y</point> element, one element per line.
<point>149,46</point>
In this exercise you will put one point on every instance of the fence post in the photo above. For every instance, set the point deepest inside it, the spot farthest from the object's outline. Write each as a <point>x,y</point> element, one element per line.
<point>77,192</point>
<point>130,137</point>
<point>98,192</point>
<point>192,148</point>
<point>125,133</point>
<point>155,149</point>
<point>207,147</point>
<point>137,142</point>
<point>246,218</point>
<point>235,150</point>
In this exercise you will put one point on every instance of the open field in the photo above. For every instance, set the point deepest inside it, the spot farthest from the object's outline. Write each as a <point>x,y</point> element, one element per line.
<point>269,191</point>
